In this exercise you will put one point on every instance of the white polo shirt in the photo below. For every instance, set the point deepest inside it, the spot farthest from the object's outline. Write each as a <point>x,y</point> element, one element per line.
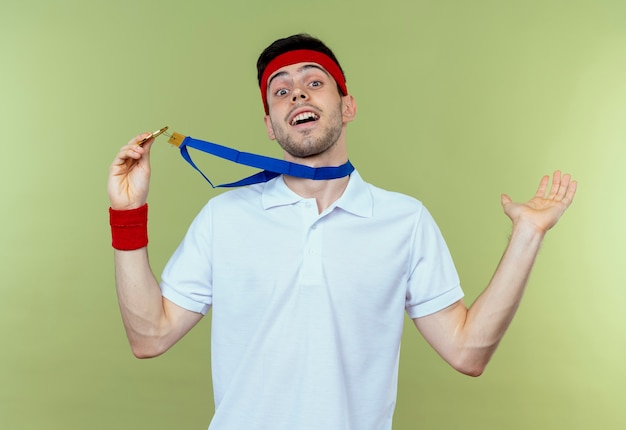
<point>308,308</point>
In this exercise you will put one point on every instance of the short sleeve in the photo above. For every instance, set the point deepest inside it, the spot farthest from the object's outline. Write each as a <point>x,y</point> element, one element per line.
<point>186,279</point>
<point>433,282</point>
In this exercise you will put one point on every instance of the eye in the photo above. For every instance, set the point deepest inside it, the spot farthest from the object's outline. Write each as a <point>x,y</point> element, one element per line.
<point>281,92</point>
<point>315,84</point>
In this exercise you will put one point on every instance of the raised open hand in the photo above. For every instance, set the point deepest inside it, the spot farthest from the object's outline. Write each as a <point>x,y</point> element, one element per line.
<point>545,208</point>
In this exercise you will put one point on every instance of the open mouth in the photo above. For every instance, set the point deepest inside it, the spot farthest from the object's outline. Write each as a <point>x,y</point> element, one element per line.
<point>304,117</point>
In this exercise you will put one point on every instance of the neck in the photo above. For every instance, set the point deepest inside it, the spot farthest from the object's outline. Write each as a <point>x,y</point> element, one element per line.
<point>325,192</point>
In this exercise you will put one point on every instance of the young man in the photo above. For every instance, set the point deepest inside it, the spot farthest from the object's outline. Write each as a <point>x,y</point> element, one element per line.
<point>308,280</point>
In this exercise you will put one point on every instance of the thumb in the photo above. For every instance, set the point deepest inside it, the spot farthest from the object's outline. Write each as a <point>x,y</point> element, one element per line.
<point>505,199</point>
<point>147,146</point>
<point>145,149</point>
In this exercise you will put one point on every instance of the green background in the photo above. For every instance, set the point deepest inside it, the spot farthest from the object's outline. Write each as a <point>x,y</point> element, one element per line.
<point>458,102</point>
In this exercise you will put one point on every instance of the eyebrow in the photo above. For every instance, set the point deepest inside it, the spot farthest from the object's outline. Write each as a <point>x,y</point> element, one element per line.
<point>301,69</point>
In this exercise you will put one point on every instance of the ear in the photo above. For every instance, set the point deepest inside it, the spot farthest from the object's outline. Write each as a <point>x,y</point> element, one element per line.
<point>348,108</point>
<point>269,128</point>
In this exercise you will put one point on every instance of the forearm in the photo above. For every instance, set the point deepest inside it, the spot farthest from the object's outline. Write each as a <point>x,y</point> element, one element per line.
<point>491,314</point>
<point>140,301</point>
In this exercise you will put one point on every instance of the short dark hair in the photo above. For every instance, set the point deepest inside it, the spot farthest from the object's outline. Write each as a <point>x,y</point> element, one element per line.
<point>292,43</point>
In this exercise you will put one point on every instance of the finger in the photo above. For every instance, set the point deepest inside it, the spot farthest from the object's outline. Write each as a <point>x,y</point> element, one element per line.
<point>135,140</point>
<point>571,192</point>
<point>556,183</point>
<point>543,186</point>
<point>129,157</point>
<point>147,145</point>
<point>144,141</point>
<point>563,187</point>
<point>130,151</point>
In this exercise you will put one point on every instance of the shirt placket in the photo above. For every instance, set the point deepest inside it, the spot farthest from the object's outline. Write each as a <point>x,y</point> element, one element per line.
<point>311,272</point>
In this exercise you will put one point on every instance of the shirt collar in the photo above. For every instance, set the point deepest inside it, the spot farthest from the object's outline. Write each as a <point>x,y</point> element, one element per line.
<point>356,199</point>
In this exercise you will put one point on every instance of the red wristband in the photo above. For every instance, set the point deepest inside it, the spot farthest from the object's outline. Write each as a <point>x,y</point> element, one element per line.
<point>129,228</point>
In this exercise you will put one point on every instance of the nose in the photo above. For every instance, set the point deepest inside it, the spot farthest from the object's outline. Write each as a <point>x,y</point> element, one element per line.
<point>298,94</point>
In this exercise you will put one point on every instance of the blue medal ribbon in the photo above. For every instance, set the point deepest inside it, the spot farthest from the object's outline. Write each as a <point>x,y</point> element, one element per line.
<point>272,166</point>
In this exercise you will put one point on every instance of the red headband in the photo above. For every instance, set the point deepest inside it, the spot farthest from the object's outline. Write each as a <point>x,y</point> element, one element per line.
<point>302,56</point>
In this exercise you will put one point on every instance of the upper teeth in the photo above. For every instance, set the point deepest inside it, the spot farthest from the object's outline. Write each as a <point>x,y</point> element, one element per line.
<point>303,116</point>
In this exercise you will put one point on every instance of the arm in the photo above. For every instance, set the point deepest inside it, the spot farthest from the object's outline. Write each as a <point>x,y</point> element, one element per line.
<point>153,324</point>
<point>467,338</point>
